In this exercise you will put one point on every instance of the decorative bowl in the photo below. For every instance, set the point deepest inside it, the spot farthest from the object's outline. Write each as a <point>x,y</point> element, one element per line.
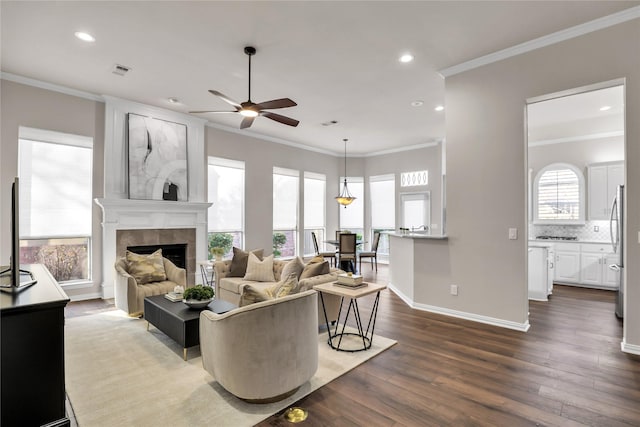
<point>197,304</point>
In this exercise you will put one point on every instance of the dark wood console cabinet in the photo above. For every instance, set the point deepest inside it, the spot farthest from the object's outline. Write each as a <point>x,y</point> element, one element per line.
<point>32,392</point>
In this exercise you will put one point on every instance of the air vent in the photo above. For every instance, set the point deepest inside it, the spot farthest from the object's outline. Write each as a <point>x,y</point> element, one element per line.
<point>120,70</point>
<point>330,123</point>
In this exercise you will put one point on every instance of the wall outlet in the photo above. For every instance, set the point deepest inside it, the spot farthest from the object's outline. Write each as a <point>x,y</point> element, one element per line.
<point>513,234</point>
<point>454,289</point>
<point>596,228</point>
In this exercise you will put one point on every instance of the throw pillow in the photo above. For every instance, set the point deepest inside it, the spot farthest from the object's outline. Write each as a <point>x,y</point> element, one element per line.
<point>146,268</point>
<point>288,286</point>
<point>260,271</point>
<point>252,295</point>
<point>315,269</point>
<point>295,266</point>
<point>316,259</point>
<point>238,266</point>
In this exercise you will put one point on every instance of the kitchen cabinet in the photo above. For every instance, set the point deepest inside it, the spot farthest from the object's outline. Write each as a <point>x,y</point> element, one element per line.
<point>603,181</point>
<point>567,268</point>
<point>594,265</point>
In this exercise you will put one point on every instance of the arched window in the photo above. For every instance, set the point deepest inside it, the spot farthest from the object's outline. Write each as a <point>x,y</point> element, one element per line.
<point>559,195</point>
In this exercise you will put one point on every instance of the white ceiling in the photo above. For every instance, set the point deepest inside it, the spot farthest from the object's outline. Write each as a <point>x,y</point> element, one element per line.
<point>337,60</point>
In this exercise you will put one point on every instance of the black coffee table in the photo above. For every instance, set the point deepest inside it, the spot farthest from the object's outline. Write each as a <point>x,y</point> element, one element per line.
<point>178,321</point>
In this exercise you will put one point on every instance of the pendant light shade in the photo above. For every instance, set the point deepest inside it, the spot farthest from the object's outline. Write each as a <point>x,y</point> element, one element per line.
<point>345,198</point>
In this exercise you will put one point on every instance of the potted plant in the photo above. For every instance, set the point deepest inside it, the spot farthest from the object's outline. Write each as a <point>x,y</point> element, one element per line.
<point>279,239</point>
<point>217,252</point>
<point>198,296</point>
<point>220,240</point>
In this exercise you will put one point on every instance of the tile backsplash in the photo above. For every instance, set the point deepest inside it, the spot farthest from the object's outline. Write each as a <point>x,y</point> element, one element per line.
<point>581,232</point>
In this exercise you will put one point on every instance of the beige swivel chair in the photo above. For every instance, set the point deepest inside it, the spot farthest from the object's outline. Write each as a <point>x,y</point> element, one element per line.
<point>262,352</point>
<point>373,253</point>
<point>327,254</point>
<point>347,250</point>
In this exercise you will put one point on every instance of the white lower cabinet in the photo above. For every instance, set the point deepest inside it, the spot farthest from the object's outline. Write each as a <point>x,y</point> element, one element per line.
<point>585,264</point>
<point>567,266</point>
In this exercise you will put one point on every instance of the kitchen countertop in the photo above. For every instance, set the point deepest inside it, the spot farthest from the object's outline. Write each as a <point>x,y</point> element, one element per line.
<point>552,241</point>
<point>420,236</point>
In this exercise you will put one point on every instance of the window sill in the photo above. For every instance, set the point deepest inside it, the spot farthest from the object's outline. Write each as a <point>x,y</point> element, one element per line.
<point>80,284</point>
<point>560,222</point>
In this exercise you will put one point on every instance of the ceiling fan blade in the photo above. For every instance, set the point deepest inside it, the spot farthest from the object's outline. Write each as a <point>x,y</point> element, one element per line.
<point>246,122</point>
<point>225,98</point>
<point>218,112</point>
<point>278,118</point>
<point>277,103</point>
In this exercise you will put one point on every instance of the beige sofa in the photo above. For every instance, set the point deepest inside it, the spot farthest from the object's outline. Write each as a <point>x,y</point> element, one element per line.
<point>230,288</point>
<point>130,294</point>
<point>262,352</point>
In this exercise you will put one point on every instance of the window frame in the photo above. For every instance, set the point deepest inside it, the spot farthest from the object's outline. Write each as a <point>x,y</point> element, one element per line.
<point>581,220</point>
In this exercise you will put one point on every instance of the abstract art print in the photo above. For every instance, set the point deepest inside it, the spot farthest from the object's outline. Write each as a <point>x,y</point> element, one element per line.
<point>157,159</point>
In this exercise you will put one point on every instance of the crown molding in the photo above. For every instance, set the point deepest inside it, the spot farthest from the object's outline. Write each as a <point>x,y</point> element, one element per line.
<point>104,98</point>
<point>50,86</point>
<point>553,38</point>
<point>575,138</point>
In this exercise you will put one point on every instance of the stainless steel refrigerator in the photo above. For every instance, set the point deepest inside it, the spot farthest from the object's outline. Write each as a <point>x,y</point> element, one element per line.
<point>616,228</point>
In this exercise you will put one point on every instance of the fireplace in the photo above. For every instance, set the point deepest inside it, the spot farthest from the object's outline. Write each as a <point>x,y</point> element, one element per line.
<point>128,223</point>
<point>176,253</point>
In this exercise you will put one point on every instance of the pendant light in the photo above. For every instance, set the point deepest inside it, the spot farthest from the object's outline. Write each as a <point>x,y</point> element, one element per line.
<point>345,198</point>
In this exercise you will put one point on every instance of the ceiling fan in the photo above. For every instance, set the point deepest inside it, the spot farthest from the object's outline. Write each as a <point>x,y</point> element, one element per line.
<point>251,110</point>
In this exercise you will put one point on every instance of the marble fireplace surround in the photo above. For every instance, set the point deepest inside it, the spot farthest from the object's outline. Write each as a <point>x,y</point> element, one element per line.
<point>152,222</point>
<point>161,236</point>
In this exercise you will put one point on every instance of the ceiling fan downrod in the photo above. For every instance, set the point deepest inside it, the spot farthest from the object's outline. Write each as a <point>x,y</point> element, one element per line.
<point>250,51</point>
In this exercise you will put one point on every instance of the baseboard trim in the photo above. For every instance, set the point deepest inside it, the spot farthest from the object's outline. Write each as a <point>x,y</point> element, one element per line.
<point>630,348</point>
<point>84,297</point>
<point>507,324</point>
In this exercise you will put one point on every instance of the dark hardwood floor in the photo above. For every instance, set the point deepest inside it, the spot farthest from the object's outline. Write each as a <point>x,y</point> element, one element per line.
<point>567,370</point>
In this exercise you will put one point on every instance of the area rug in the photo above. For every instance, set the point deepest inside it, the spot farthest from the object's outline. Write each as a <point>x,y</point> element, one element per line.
<point>120,374</point>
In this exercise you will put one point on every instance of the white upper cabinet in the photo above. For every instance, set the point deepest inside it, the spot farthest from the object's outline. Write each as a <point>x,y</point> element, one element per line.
<point>603,183</point>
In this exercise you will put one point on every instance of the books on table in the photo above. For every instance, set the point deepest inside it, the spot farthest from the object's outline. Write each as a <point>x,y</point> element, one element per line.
<point>349,279</point>
<point>354,286</point>
<point>174,296</point>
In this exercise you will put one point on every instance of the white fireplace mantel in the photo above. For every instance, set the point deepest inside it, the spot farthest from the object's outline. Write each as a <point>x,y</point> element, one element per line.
<point>127,214</point>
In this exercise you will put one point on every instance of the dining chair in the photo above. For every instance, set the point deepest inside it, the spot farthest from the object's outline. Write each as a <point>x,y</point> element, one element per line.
<point>327,254</point>
<point>373,253</point>
<point>347,250</point>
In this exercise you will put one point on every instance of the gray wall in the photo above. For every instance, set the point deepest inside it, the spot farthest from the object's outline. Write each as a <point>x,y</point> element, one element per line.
<point>39,108</point>
<point>486,169</point>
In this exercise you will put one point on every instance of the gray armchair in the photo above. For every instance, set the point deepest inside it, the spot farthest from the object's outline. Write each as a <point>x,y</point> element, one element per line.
<point>262,352</point>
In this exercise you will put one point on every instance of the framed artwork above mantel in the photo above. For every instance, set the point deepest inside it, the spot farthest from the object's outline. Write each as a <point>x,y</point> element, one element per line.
<point>157,159</point>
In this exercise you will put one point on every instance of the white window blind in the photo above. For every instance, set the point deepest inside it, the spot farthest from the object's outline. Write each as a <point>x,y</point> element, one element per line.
<point>559,195</point>
<point>285,199</point>
<point>226,192</point>
<point>314,200</point>
<point>383,201</point>
<point>55,184</point>
<point>353,215</point>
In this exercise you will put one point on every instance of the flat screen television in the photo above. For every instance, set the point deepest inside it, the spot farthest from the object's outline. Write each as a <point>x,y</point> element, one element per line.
<point>14,279</point>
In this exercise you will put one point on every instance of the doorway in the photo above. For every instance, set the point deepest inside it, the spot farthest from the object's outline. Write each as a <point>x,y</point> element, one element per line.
<point>575,163</point>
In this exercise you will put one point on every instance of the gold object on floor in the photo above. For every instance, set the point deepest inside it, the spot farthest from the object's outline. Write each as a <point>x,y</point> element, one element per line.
<point>295,415</point>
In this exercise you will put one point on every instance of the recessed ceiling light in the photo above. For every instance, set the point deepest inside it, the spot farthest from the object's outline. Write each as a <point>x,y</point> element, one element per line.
<point>407,57</point>
<point>439,108</point>
<point>86,37</point>
<point>417,103</point>
<point>605,108</point>
<point>174,100</point>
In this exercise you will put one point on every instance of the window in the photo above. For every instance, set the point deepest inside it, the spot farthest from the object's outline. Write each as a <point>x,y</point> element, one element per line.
<point>226,215</point>
<point>559,194</point>
<point>285,212</point>
<point>383,208</point>
<point>315,186</point>
<point>352,216</point>
<point>56,201</point>
<point>416,210</point>
<point>411,179</point>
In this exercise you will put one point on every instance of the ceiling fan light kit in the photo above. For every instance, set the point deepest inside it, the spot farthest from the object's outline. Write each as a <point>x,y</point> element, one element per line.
<point>345,198</point>
<point>250,110</point>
